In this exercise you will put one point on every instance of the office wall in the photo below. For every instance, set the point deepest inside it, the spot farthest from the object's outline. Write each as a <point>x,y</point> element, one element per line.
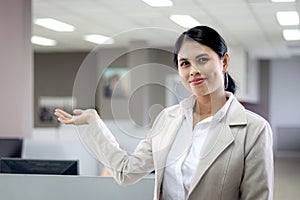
<point>16,69</point>
<point>81,74</point>
<point>284,104</point>
<point>109,58</point>
<point>262,106</point>
<point>54,76</point>
<point>147,69</point>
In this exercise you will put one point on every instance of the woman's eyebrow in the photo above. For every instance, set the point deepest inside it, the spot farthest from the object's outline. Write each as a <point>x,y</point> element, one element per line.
<point>198,56</point>
<point>182,59</point>
<point>201,55</point>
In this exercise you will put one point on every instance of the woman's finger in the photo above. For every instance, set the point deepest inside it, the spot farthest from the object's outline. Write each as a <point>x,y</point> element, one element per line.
<point>61,113</point>
<point>64,117</point>
<point>77,112</point>
<point>66,120</point>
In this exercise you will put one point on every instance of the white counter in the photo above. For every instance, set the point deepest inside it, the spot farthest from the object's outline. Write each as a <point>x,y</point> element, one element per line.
<point>42,187</point>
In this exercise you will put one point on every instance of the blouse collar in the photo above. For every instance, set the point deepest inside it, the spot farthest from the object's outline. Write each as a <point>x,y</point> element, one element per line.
<point>187,106</point>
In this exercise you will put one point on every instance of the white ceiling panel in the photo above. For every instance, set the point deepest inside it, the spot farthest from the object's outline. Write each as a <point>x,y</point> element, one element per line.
<point>248,23</point>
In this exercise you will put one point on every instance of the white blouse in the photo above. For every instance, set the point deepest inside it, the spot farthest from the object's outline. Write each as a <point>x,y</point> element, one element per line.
<point>184,155</point>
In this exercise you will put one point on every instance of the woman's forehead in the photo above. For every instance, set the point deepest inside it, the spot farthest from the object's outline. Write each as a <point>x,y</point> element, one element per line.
<point>191,48</point>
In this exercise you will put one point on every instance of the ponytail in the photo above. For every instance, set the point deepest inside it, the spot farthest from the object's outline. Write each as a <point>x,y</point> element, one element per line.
<point>229,84</point>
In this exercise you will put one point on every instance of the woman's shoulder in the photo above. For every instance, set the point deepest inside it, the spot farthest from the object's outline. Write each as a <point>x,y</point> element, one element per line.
<point>255,118</point>
<point>245,116</point>
<point>257,127</point>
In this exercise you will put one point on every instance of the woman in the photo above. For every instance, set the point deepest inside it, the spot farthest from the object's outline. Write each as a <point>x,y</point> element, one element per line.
<point>207,147</point>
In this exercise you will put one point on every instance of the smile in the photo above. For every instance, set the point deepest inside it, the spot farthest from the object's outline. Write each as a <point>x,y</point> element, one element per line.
<point>197,81</point>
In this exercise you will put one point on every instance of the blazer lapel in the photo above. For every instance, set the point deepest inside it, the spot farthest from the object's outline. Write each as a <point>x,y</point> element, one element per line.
<point>215,145</point>
<point>162,144</point>
<point>163,141</point>
<point>219,138</point>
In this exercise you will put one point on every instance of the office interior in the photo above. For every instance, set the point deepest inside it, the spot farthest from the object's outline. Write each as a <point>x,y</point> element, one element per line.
<point>74,72</point>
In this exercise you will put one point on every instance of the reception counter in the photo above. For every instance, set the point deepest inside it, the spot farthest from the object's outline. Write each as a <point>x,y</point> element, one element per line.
<point>53,187</point>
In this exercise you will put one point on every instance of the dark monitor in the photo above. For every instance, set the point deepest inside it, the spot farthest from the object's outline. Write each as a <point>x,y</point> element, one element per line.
<point>38,166</point>
<point>11,147</point>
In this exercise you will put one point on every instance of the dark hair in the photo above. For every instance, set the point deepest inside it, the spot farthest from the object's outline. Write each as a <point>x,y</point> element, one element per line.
<point>208,37</point>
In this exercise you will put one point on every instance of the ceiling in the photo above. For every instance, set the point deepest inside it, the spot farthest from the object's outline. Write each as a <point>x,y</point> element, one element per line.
<point>250,24</point>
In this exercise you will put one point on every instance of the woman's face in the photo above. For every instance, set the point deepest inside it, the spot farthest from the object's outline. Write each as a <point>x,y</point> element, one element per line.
<point>201,69</point>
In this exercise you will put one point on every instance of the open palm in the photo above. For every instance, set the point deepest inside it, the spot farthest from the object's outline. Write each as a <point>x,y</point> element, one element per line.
<point>79,116</point>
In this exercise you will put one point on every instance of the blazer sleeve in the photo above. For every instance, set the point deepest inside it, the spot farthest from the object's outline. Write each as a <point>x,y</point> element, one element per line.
<point>258,179</point>
<point>126,169</point>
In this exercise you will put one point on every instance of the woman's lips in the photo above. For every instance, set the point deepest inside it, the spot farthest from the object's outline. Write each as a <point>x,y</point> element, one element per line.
<point>197,81</point>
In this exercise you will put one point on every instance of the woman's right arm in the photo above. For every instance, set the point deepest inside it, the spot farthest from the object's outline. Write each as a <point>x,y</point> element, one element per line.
<point>126,169</point>
<point>100,142</point>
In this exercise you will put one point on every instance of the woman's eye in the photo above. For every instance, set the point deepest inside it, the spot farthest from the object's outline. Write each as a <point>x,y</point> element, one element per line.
<point>202,60</point>
<point>183,64</point>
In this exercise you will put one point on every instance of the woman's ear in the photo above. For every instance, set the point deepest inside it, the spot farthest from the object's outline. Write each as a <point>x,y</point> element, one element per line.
<point>225,60</point>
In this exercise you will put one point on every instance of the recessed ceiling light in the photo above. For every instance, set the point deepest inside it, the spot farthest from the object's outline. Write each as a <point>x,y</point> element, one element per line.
<point>54,24</point>
<point>291,34</point>
<point>159,3</point>
<point>98,39</point>
<point>185,21</point>
<point>42,41</point>
<point>283,1</point>
<point>287,18</point>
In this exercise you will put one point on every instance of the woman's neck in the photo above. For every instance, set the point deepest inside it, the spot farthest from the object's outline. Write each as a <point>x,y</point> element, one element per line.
<point>208,105</point>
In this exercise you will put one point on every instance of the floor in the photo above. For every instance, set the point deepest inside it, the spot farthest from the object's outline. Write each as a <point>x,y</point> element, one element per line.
<point>287,179</point>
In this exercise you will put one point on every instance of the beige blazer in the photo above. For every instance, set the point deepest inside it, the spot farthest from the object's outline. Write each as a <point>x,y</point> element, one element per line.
<point>236,161</point>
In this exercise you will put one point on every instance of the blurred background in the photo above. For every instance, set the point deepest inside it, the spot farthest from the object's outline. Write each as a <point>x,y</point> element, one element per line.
<point>116,56</point>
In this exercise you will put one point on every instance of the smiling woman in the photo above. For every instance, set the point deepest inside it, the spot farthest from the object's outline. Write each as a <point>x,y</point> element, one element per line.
<point>206,44</point>
<point>206,147</point>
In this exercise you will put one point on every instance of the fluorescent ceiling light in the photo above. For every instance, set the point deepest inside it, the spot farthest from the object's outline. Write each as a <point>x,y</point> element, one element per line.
<point>287,18</point>
<point>291,34</point>
<point>185,21</point>
<point>42,41</point>
<point>159,3</point>
<point>283,1</point>
<point>98,39</point>
<point>54,24</point>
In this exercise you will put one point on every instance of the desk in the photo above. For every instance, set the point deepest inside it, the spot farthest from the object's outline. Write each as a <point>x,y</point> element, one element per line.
<point>53,187</point>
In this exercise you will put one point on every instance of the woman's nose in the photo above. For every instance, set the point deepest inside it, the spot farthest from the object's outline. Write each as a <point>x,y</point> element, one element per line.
<point>194,70</point>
